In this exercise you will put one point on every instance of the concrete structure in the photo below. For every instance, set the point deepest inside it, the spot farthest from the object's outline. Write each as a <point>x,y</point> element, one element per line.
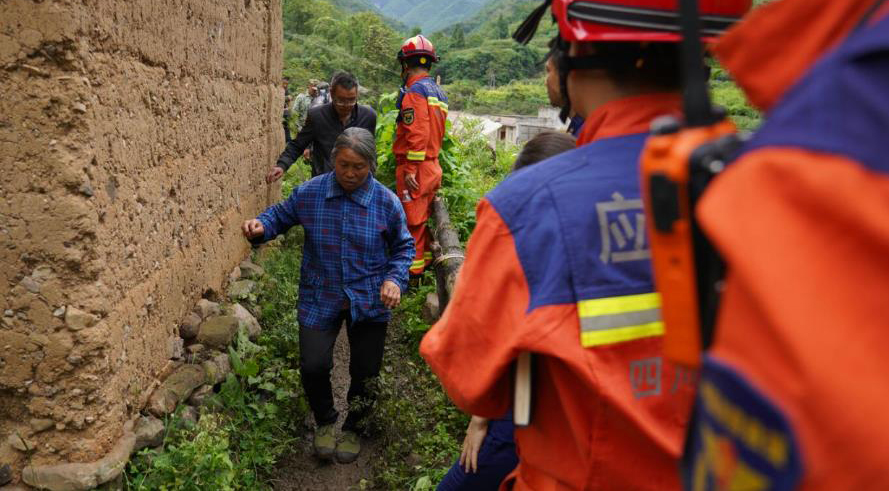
<point>134,137</point>
<point>513,129</point>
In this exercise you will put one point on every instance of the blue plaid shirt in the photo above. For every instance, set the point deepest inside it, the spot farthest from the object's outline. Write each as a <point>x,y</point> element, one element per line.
<point>353,243</point>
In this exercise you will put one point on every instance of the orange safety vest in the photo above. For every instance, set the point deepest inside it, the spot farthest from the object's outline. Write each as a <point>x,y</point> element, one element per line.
<point>558,266</point>
<point>793,391</point>
<point>422,114</point>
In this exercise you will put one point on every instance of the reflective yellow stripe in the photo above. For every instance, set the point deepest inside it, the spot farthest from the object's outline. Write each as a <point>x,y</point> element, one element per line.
<point>618,305</point>
<point>618,319</point>
<point>411,155</point>
<point>433,101</point>
<point>597,338</point>
<point>419,263</point>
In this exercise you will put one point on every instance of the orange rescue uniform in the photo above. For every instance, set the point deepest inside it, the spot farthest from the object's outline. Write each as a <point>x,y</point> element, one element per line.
<point>423,110</point>
<point>793,391</point>
<point>558,266</point>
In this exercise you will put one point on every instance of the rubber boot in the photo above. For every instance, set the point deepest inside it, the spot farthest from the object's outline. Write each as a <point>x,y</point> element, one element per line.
<point>325,442</point>
<point>348,448</point>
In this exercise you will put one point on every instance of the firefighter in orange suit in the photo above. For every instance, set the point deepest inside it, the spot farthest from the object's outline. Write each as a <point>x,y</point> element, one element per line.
<point>558,265</point>
<point>793,391</point>
<point>422,114</point>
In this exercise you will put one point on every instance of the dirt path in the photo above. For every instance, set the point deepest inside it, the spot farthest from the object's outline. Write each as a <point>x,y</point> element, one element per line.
<point>301,471</point>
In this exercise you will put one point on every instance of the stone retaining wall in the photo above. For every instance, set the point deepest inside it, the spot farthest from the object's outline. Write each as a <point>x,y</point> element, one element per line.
<point>134,137</point>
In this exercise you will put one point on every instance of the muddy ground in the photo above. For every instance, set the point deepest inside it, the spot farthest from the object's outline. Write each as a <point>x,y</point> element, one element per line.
<point>301,471</point>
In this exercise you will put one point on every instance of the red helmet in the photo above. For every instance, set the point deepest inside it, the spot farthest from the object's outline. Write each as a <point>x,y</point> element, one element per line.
<point>417,46</point>
<point>633,20</point>
<point>640,20</point>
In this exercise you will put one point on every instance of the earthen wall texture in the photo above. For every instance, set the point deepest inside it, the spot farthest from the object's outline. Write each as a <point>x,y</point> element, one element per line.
<point>134,136</point>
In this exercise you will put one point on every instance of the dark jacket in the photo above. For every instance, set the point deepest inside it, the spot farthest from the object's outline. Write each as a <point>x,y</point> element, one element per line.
<point>322,128</point>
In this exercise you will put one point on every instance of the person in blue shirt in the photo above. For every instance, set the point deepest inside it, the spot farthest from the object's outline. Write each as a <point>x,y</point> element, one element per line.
<point>356,256</point>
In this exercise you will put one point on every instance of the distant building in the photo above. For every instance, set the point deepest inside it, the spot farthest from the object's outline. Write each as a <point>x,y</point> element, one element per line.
<point>513,129</point>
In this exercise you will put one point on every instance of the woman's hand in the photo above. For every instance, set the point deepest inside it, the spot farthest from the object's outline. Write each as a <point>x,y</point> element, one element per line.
<point>472,443</point>
<point>252,229</point>
<point>390,294</point>
<point>274,174</point>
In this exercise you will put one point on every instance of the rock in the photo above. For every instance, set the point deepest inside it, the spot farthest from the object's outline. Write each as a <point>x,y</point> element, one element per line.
<point>251,270</point>
<point>8,313</point>
<point>197,353</point>
<point>206,308</point>
<point>431,310</point>
<point>79,107</point>
<point>189,327</point>
<point>218,331</point>
<point>248,322</point>
<point>149,432</point>
<point>17,487</point>
<point>189,415</point>
<point>77,319</point>
<point>80,477</point>
<point>30,284</point>
<point>38,425</point>
<point>17,442</point>
<point>176,388</point>
<point>87,190</point>
<point>115,484</point>
<point>241,289</point>
<point>217,368</point>
<point>59,312</point>
<point>175,348</point>
<point>235,274</point>
<point>5,474</point>
<point>199,397</point>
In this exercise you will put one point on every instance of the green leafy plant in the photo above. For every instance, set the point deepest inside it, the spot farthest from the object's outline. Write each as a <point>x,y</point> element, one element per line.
<point>259,409</point>
<point>418,426</point>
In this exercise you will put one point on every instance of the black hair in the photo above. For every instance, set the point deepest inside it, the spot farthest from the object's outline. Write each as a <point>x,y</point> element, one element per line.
<point>414,61</point>
<point>343,79</point>
<point>543,146</point>
<point>649,64</point>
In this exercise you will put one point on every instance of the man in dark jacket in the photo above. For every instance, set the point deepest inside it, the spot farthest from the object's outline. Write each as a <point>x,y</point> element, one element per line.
<point>324,124</point>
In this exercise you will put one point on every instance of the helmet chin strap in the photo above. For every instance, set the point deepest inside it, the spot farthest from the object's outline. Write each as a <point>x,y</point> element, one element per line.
<point>563,88</point>
<point>405,72</point>
<point>565,65</point>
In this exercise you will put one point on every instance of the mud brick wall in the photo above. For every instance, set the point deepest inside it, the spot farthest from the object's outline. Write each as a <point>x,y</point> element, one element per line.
<point>134,136</point>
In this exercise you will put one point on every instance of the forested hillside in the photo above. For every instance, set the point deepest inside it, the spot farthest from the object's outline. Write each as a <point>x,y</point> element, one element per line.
<point>485,71</point>
<point>321,38</point>
<point>480,63</point>
<point>482,69</point>
<point>430,15</point>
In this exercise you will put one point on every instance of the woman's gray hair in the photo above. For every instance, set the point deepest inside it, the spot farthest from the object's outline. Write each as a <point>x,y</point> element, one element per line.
<point>360,141</point>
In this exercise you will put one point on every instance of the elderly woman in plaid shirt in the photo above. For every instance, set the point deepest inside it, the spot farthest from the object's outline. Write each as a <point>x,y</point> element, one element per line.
<point>355,264</point>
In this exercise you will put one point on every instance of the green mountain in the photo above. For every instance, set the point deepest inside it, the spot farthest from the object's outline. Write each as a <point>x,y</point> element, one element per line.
<point>514,11</point>
<point>430,15</point>
<point>353,6</point>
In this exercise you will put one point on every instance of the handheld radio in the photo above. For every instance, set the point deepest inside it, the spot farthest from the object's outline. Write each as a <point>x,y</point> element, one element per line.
<point>677,163</point>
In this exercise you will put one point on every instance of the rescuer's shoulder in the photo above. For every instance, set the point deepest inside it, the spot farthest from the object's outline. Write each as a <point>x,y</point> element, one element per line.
<point>572,178</point>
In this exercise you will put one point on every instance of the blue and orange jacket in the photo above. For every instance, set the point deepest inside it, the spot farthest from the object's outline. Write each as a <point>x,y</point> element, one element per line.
<point>558,266</point>
<point>793,390</point>
<point>422,115</point>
